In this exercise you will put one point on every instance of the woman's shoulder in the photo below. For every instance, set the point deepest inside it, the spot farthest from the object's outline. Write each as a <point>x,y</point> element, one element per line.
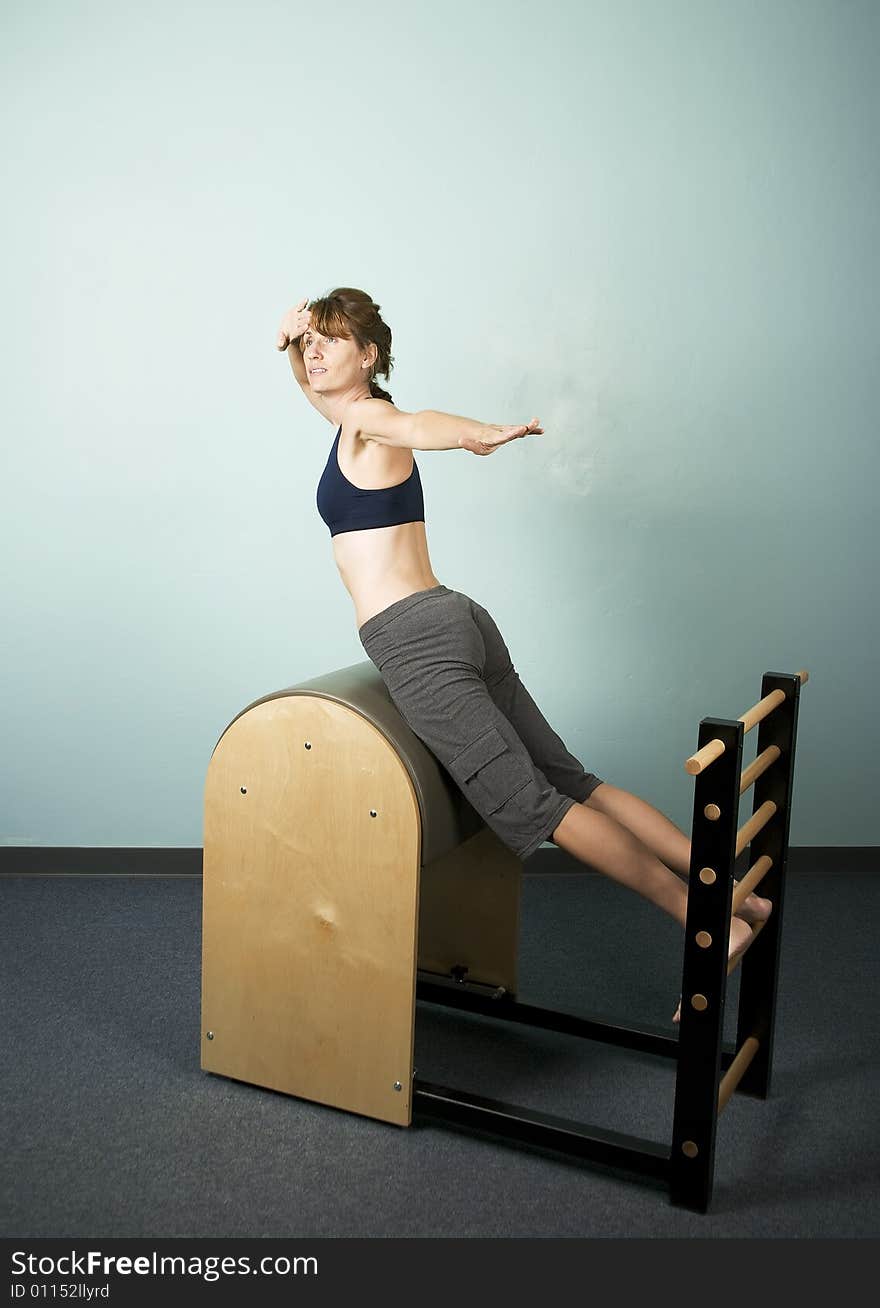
<point>380,422</point>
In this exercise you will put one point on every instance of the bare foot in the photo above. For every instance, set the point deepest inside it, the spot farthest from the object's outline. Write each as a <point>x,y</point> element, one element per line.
<point>741,936</point>
<point>754,909</point>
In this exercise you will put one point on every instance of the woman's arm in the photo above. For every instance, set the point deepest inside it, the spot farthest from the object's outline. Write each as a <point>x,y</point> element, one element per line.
<point>298,363</point>
<point>293,324</point>
<point>300,372</point>
<point>429,429</point>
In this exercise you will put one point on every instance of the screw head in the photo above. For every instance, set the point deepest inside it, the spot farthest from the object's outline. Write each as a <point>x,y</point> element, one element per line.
<point>397,1085</point>
<point>209,1035</point>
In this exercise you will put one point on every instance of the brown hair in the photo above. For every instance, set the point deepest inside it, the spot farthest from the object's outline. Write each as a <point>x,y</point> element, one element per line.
<point>348,312</point>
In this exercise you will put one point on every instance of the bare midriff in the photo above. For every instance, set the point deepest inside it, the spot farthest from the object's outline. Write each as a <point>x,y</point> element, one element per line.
<point>380,565</point>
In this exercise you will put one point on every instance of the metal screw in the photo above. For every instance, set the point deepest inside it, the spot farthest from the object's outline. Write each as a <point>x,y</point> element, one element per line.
<point>210,1035</point>
<point>704,940</point>
<point>699,1002</point>
<point>244,790</point>
<point>372,812</point>
<point>689,1149</point>
<point>308,745</point>
<point>397,1085</point>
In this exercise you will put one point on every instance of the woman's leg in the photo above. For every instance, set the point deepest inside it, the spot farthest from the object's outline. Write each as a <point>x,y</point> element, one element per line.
<point>431,656</point>
<point>655,830</point>
<point>603,840</point>
<point>603,843</point>
<point>662,837</point>
<point>546,748</point>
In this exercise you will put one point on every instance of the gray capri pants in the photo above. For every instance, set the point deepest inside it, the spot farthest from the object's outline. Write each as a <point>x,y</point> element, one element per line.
<point>448,671</point>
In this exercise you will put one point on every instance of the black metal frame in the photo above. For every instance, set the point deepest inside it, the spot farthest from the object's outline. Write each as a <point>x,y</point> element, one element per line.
<point>687,1165</point>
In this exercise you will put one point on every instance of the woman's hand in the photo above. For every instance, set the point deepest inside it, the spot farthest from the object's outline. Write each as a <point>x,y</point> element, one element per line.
<point>489,443</point>
<point>293,324</point>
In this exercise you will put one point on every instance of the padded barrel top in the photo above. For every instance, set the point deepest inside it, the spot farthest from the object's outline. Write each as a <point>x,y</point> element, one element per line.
<point>447,818</point>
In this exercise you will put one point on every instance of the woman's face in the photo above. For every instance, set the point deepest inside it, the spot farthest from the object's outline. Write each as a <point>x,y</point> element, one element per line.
<point>334,363</point>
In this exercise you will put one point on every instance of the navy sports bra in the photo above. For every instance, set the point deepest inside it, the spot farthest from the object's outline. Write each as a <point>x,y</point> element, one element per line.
<point>345,507</point>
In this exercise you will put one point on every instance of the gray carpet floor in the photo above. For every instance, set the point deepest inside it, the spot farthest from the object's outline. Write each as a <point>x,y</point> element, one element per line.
<point>110,1128</point>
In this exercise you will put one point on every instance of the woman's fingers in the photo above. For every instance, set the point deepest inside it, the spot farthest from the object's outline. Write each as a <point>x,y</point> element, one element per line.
<point>510,432</point>
<point>515,432</point>
<point>490,443</point>
<point>293,324</point>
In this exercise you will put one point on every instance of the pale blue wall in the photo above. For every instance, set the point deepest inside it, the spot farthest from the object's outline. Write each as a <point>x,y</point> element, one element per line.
<point>652,224</point>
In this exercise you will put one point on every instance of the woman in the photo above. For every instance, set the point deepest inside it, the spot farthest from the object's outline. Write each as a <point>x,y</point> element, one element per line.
<point>440,654</point>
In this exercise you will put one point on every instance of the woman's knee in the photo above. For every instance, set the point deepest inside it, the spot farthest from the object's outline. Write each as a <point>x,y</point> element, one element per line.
<point>595,800</point>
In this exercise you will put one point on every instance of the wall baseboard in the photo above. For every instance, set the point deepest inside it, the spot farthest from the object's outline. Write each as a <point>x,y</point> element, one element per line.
<point>54,860</point>
<point>51,860</point>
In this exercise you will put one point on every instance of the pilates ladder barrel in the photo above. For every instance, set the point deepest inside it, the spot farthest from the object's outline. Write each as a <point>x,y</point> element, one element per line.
<point>347,877</point>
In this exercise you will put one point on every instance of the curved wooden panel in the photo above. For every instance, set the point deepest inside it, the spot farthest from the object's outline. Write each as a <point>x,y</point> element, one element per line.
<point>310,908</point>
<point>447,817</point>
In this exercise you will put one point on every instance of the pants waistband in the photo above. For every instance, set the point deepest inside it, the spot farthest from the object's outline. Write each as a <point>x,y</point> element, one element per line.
<point>381,619</point>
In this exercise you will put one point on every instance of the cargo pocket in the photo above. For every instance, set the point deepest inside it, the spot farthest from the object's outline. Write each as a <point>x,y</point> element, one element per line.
<point>489,772</point>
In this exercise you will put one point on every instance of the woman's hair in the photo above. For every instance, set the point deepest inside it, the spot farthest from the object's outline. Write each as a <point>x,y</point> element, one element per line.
<point>348,312</point>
